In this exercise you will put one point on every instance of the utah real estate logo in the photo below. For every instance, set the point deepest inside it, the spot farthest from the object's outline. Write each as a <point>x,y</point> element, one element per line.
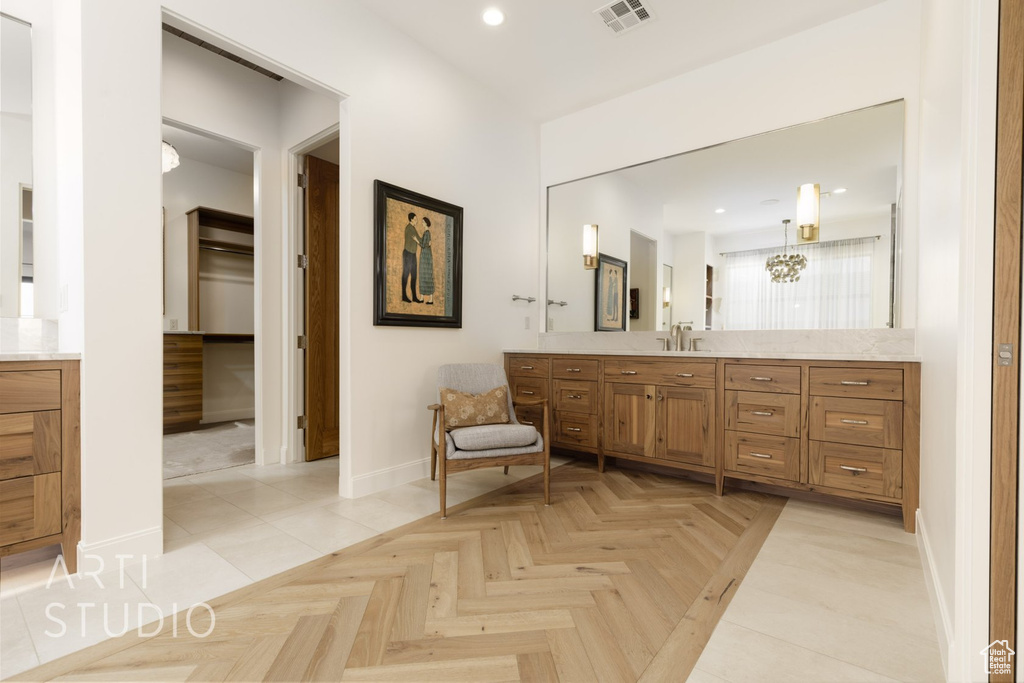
<point>998,657</point>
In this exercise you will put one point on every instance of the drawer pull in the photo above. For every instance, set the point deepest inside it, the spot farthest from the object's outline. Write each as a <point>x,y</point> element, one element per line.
<point>760,379</point>
<point>527,393</point>
<point>855,470</point>
<point>628,372</point>
<point>572,369</point>
<point>853,422</point>
<point>526,367</point>
<point>524,422</point>
<point>573,429</point>
<point>762,413</point>
<point>576,397</point>
<point>851,383</point>
<point>684,374</point>
<point>763,456</point>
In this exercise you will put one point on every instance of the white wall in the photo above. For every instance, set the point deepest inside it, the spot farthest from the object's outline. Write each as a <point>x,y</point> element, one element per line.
<point>740,96</point>
<point>617,206</point>
<point>957,115</point>
<point>689,274</point>
<point>643,274</point>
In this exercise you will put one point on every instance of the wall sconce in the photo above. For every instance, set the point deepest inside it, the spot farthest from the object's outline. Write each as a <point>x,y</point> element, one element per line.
<point>169,157</point>
<point>808,207</point>
<point>666,297</point>
<point>589,247</point>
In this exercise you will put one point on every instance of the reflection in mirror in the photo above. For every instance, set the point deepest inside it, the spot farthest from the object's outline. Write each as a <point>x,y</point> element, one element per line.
<point>666,297</point>
<point>714,217</point>
<point>16,261</point>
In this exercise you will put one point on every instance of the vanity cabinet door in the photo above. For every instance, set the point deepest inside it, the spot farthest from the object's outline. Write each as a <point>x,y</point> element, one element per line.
<point>686,425</point>
<point>629,419</point>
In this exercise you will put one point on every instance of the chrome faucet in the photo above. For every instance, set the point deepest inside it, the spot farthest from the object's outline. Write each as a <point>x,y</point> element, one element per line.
<point>677,334</point>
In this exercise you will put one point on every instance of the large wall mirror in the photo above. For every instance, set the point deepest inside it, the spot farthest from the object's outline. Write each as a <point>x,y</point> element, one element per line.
<point>713,218</point>
<point>16,254</point>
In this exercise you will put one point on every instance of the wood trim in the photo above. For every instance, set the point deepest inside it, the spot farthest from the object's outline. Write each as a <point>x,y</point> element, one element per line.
<point>1006,330</point>
<point>71,467</point>
<point>193,271</point>
<point>911,444</point>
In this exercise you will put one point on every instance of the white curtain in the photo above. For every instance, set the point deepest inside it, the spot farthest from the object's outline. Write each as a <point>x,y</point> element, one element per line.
<point>834,291</point>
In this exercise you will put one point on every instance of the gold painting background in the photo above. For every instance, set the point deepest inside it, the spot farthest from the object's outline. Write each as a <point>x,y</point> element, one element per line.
<point>607,292</point>
<point>396,220</point>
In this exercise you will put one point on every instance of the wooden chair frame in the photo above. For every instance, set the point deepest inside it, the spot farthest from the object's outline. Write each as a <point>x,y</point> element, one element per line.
<point>438,451</point>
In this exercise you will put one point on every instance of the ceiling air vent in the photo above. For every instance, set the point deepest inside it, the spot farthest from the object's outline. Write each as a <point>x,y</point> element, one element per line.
<point>624,15</point>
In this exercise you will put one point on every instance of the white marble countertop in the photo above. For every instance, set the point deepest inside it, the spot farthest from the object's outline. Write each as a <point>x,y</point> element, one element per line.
<point>867,357</point>
<point>183,332</point>
<point>7,356</point>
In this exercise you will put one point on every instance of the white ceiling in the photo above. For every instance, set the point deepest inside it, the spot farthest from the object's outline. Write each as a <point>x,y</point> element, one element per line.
<point>209,150</point>
<point>553,57</point>
<point>861,151</point>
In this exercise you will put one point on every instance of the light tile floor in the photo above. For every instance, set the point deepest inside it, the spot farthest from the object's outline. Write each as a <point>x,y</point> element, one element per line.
<point>834,595</point>
<point>222,530</point>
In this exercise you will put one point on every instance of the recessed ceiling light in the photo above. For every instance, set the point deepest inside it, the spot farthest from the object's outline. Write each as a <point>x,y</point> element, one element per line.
<point>839,190</point>
<point>494,17</point>
<point>719,210</point>
<point>769,202</point>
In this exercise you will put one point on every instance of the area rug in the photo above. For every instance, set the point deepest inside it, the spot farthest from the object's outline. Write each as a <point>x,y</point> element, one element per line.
<point>215,447</point>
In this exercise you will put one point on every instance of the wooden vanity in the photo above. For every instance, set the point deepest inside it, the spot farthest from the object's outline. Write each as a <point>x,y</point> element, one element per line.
<point>846,429</point>
<point>40,476</point>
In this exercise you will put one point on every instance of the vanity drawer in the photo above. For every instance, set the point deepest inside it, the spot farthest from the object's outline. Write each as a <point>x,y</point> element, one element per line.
<point>529,387</point>
<point>877,471</point>
<point>531,415</point>
<point>29,444</point>
<point>575,429</point>
<point>683,374</point>
<point>880,383</point>
<point>763,413</point>
<point>578,397</point>
<point>569,368</point>
<point>768,456</point>
<point>865,422</point>
<point>529,366</point>
<point>26,391</point>
<point>779,379</point>
<point>29,508</point>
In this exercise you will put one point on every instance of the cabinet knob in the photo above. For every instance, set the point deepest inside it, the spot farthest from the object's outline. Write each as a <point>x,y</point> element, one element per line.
<point>684,374</point>
<point>760,379</point>
<point>573,429</point>
<point>853,422</point>
<point>527,393</point>
<point>854,470</point>
<point>649,397</point>
<point>762,413</point>
<point>575,397</point>
<point>661,397</point>
<point>628,372</point>
<point>851,383</point>
<point>572,369</point>
<point>763,456</point>
<point>526,367</point>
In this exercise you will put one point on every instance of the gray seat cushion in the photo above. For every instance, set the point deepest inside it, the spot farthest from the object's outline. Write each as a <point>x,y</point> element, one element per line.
<point>489,437</point>
<point>453,453</point>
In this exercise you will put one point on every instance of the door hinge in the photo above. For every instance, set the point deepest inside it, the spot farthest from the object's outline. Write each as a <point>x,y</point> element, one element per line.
<point>302,341</point>
<point>303,261</point>
<point>1004,354</point>
<point>303,181</point>
<point>303,422</point>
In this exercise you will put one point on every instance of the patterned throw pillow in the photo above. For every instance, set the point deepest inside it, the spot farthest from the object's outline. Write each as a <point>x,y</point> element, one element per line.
<point>469,410</point>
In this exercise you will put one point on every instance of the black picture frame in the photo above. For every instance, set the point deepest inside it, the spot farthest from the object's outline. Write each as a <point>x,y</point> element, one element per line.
<point>394,271</point>
<point>610,294</point>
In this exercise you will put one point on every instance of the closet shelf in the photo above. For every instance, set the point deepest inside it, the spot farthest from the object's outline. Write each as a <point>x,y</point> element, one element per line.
<point>225,247</point>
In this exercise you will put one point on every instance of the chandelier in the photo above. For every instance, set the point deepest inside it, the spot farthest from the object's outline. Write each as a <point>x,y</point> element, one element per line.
<point>785,267</point>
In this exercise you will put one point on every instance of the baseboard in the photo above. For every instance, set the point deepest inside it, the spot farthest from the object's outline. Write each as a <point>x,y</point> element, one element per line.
<point>943,622</point>
<point>130,547</point>
<point>214,416</point>
<point>389,477</point>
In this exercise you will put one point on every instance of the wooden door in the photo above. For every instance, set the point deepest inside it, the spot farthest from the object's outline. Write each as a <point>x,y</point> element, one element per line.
<point>322,211</point>
<point>686,425</point>
<point>629,419</point>
<point>1006,313</point>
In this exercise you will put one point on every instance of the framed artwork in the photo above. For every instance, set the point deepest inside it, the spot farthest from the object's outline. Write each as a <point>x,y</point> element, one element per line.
<point>417,259</point>
<point>634,303</point>
<point>610,295</point>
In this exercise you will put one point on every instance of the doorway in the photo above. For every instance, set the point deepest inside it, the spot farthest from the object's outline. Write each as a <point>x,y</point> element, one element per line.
<point>644,298</point>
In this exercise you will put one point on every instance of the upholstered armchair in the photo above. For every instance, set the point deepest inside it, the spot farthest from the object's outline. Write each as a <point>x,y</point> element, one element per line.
<point>461,441</point>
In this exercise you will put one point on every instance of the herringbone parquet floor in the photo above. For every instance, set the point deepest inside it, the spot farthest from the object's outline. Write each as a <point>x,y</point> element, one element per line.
<point>623,578</point>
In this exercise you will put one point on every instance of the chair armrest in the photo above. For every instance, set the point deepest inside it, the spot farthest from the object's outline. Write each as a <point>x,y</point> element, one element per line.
<point>529,401</point>
<point>434,406</point>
